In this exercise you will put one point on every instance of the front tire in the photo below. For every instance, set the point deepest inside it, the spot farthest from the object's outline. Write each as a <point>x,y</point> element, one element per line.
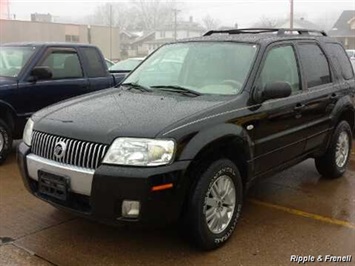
<point>215,205</point>
<point>334,162</point>
<point>5,141</point>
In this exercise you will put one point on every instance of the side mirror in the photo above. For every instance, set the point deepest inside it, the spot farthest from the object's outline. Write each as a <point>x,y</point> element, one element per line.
<point>41,72</point>
<point>275,90</point>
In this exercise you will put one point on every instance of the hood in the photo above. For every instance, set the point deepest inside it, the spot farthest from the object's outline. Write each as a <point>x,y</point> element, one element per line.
<point>102,117</point>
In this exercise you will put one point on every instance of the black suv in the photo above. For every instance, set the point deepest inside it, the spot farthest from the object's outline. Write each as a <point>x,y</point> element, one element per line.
<point>188,131</point>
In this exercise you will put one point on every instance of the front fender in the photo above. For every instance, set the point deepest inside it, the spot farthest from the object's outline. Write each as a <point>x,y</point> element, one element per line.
<point>207,136</point>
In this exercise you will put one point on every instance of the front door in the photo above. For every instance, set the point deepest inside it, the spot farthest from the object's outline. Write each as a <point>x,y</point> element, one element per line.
<point>67,80</point>
<point>279,129</point>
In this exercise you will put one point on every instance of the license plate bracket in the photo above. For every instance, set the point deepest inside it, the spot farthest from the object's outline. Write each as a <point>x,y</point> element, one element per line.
<point>53,185</point>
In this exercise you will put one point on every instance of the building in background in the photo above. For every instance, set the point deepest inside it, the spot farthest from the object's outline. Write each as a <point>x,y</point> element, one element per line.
<point>139,47</point>
<point>41,17</point>
<point>344,29</point>
<point>4,9</point>
<point>106,38</point>
<point>127,38</point>
<point>298,24</point>
<point>150,41</point>
<point>115,44</point>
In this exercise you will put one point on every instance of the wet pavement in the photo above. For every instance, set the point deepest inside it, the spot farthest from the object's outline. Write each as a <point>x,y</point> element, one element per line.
<point>293,213</point>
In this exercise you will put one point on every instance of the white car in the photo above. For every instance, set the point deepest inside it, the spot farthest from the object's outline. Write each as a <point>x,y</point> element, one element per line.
<point>351,54</point>
<point>126,65</point>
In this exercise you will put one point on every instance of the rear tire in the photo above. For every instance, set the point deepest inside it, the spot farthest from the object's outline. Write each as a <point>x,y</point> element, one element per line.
<point>215,205</point>
<point>334,162</point>
<point>5,141</point>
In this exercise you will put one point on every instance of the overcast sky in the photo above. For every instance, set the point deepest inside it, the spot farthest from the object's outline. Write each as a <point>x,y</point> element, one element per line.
<point>243,12</point>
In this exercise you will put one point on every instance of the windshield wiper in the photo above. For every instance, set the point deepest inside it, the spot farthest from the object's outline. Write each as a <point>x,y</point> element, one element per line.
<point>176,88</point>
<point>137,86</point>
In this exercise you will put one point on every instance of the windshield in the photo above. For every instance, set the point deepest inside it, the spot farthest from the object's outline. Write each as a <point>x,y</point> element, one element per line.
<point>126,65</point>
<point>13,59</point>
<point>204,67</point>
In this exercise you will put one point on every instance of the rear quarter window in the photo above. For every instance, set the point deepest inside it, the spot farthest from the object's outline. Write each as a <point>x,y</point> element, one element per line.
<point>95,67</point>
<point>340,60</point>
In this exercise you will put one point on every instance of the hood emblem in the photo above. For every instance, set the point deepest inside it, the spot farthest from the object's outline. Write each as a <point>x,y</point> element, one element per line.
<point>59,149</point>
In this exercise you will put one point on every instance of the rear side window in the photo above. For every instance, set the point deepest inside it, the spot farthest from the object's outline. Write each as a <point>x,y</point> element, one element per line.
<point>340,60</point>
<point>95,67</point>
<point>315,65</point>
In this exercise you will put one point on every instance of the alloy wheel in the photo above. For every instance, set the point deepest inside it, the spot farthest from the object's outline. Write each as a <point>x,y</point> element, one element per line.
<point>342,149</point>
<point>220,203</point>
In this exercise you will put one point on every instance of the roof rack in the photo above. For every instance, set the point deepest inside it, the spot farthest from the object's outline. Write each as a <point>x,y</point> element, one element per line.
<point>279,31</point>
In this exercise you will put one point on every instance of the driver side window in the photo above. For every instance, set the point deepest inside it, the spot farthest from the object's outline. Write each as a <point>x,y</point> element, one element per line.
<point>280,66</point>
<point>63,64</point>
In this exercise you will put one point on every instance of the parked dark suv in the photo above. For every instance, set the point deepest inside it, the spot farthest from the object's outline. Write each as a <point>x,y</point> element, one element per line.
<point>192,127</point>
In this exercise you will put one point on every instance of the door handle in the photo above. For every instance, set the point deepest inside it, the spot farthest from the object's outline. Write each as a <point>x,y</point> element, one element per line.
<point>299,107</point>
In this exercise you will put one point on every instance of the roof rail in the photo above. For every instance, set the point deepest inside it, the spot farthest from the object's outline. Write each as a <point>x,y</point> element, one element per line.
<point>279,31</point>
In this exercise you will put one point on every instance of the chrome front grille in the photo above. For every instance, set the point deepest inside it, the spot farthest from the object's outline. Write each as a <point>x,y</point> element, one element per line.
<point>78,153</point>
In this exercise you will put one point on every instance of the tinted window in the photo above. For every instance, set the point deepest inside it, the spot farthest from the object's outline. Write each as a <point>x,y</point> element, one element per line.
<point>315,65</point>
<point>280,65</point>
<point>95,67</point>
<point>340,60</point>
<point>64,64</point>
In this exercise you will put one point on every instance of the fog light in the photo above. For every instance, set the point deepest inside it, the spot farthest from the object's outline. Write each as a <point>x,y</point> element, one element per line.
<point>130,208</point>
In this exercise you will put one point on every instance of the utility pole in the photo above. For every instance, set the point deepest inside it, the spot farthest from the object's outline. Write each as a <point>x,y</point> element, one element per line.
<point>291,14</point>
<point>110,31</point>
<point>89,33</point>
<point>8,10</point>
<point>175,22</point>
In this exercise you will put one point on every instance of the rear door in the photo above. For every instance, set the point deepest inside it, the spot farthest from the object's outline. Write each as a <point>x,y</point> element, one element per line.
<point>96,69</point>
<point>323,92</point>
<point>68,79</point>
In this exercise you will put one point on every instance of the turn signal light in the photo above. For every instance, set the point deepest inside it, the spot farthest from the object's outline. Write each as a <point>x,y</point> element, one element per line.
<point>162,187</point>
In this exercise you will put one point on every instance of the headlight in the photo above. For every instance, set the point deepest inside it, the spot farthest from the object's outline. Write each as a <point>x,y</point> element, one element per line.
<point>27,133</point>
<point>140,152</point>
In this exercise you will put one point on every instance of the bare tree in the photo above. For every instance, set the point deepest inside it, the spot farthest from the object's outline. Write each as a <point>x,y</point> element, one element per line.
<point>267,22</point>
<point>210,23</point>
<point>119,15</point>
<point>325,23</point>
<point>154,13</point>
<point>136,14</point>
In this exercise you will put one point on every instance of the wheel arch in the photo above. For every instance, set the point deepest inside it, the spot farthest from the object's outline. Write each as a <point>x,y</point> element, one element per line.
<point>344,110</point>
<point>8,114</point>
<point>228,140</point>
<point>348,114</point>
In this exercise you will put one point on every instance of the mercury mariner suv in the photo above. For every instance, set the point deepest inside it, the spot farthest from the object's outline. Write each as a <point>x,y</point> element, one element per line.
<point>189,130</point>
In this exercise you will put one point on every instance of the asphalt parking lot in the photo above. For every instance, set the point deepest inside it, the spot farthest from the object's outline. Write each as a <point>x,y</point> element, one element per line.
<point>293,213</point>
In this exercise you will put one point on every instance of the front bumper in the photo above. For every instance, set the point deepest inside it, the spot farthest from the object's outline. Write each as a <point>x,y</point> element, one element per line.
<point>99,194</point>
